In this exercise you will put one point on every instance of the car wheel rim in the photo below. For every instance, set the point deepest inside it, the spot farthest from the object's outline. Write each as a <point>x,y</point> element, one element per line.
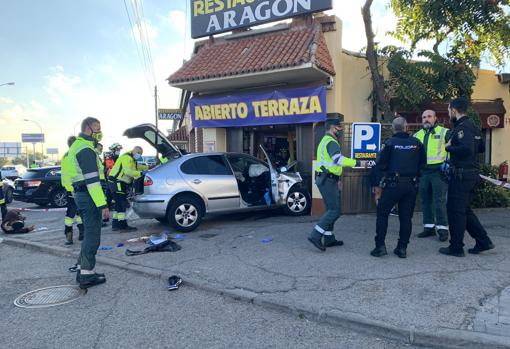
<point>61,199</point>
<point>186,215</point>
<point>296,202</point>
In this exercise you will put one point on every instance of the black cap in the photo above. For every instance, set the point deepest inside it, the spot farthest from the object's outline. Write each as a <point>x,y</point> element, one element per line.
<point>333,119</point>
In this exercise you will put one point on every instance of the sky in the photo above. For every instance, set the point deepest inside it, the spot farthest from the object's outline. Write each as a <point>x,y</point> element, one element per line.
<point>72,59</point>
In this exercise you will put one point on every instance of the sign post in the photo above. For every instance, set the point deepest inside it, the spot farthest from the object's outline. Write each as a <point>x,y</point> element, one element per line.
<point>366,141</point>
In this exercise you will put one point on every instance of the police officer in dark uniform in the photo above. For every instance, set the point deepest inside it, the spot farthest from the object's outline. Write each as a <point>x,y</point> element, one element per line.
<point>399,163</point>
<point>464,146</point>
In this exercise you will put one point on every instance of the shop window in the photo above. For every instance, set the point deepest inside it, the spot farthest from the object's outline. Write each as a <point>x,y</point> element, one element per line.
<point>206,165</point>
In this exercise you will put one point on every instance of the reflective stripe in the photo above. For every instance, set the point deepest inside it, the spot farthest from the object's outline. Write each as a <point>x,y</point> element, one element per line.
<point>440,143</point>
<point>87,272</point>
<point>68,221</point>
<point>78,220</point>
<point>2,201</point>
<point>442,227</point>
<point>115,215</point>
<point>91,175</point>
<point>319,229</point>
<point>328,233</point>
<point>323,163</point>
<point>429,225</point>
<point>121,216</point>
<point>93,185</point>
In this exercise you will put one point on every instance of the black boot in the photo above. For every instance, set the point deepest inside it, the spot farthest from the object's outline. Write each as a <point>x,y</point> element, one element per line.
<point>379,251</point>
<point>449,252</point>
<point>316,239</point>
<point>81,229</point>
<point>443,234</point>
<point>331,241</point>
<point>87,281</point>
<point>69,235</point>
<point>124,227</point>
<point>115,225</point>
<point>401,252</point>
<point>427,232</point>
<point>477,249</point>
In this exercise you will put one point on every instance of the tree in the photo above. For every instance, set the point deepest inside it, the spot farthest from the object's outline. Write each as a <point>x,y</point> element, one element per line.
<point>472,27</point>
<point>379,91</point>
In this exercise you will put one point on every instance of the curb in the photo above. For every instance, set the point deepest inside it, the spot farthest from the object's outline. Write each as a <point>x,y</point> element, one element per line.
<point>441,338</point>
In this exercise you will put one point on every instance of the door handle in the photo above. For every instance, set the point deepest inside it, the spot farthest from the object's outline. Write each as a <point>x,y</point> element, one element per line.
<point>197,181</point>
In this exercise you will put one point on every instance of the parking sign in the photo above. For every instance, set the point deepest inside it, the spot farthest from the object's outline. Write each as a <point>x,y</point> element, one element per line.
<point>366,141</point>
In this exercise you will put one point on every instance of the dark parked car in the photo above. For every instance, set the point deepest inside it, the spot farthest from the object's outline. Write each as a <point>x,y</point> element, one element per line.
<point>41,186</point>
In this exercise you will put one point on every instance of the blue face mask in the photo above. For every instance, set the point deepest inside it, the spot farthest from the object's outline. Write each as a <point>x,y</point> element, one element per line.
<point>137,157</point>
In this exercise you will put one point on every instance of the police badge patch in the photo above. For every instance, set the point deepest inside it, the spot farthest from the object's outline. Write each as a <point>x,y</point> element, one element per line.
<point>460,135</point>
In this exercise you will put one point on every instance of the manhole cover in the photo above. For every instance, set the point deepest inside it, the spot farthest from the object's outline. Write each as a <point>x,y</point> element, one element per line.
<point>49,296</point>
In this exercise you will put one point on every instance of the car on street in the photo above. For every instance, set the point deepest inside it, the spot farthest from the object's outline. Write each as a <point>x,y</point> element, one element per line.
<point>41,186</point>
<point>13,171</point>
<point>8,189</point>
<point>187,187</point>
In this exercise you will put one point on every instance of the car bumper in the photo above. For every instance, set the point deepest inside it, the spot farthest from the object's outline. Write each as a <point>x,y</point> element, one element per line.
<point>29,196</point>
<point>151,206</point>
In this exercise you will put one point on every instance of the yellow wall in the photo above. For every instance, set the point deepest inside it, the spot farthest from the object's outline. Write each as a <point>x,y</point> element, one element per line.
<point>488,87</point>
<point>356,88</point>
<point>334,42</point>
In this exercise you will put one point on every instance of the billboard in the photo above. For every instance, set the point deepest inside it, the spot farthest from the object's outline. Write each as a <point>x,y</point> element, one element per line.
<point>210,17</point>
<point>32,137</point>
<point>10,149</point>
<point>269,107</point>
<point>169,114</point>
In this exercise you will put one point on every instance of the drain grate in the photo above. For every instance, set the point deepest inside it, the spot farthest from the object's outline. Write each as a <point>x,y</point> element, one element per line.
<point>49,296</point>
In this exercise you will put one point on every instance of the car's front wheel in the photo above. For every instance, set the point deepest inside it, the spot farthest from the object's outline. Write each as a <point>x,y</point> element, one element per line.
<point>298,202</point>
<point>58,198</point>
<point>185,213</point>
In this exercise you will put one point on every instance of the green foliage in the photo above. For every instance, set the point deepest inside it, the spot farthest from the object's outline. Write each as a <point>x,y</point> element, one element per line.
<point>489,195</point>
<point>432,77</point>
<point>472,27</point>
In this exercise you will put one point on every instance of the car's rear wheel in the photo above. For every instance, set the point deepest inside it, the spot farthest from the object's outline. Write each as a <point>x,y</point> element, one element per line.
<point>298,202</point>
<point>185,213</point>
<point>58,198</point>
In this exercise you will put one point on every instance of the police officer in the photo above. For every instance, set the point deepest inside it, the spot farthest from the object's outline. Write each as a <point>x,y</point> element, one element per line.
<point>433,186</point>
<point>89,198</point>
<point>122,175</point>
<point>464,146</point>
<point>72,209</point>
<point>399,162</point>
<point>330,163</point>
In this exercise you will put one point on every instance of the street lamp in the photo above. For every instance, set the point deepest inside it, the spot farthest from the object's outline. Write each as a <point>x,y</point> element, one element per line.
<point>42,143</point>
<point>8,83</point>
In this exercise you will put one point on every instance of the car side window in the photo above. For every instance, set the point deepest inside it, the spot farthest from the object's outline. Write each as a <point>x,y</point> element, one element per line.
<point>206,165</point>
<point>242,163</point>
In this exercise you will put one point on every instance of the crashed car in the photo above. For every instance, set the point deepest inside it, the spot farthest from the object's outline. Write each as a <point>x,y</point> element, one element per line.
<point>187,187</point>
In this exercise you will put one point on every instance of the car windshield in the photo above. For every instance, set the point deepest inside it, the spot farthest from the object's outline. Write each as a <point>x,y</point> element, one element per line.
<point>7,168</point>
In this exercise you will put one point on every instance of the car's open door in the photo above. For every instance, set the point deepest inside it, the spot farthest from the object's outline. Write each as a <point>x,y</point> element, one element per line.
<point>158,140</point>
<point>274,178</point>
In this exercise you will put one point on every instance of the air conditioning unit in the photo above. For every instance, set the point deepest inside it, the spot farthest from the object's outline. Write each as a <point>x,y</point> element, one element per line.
<point>504,78</point>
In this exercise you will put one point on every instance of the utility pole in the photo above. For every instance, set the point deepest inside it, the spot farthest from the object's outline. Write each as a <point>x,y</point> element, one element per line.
<point>156,114</point>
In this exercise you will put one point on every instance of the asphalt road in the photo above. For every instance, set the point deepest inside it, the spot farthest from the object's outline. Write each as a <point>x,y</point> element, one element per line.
<point>133,311</point>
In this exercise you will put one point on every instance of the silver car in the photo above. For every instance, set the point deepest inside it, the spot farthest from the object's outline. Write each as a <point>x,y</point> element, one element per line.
<point>189,186</point>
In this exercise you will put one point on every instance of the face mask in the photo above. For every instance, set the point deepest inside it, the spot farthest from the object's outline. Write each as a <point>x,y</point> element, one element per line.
<point>117,152</point>
<point>137,157</point>
<point>339,134</point>
<point>98,136</point>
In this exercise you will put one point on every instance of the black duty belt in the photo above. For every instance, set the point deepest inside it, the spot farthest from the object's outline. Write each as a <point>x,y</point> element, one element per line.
<point>328,175</point>
<point>400,179</point>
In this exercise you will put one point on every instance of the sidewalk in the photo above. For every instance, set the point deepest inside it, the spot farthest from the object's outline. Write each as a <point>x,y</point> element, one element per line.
<point>427,294</point>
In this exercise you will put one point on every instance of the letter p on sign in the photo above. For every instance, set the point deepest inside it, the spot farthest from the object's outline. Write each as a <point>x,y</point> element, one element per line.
<point>363,133</point>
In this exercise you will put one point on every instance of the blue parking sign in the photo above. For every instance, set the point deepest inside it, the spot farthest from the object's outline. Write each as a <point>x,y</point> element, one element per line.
<point>366,141</point>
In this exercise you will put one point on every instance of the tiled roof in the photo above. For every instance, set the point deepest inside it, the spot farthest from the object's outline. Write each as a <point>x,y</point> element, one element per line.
<point>291,47</point>
<point>180,135</point>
